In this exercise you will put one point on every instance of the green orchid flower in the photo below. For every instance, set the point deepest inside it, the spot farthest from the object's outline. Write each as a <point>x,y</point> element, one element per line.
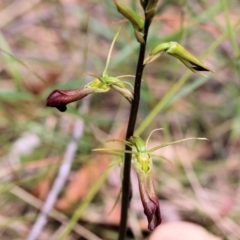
<point>142,162</point>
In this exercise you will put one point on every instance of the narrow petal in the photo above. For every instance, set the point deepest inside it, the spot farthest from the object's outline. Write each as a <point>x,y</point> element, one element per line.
<point>124,91</point>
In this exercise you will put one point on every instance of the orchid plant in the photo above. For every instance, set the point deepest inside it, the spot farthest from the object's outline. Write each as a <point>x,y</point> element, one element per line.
<point>135,148</point>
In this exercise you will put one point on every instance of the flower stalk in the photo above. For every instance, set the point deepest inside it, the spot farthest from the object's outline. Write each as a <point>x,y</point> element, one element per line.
<point>126,182</point>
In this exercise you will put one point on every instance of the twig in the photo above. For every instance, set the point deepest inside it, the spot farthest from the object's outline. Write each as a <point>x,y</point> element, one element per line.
<point>62,174</point>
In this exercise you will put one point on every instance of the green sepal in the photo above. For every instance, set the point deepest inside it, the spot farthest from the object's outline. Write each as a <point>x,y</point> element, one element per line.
<point>143,3</point>
<point>187,58</point>
<point>156,52</point>
<point>139,36</point>
<point>98,85</point>
<point>176,50</point>
<point>118,86</point>
<point>142,159</point>
<point>138,143</point>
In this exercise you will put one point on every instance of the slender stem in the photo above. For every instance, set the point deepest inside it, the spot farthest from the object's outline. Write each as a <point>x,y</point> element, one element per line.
<point>126,182</point>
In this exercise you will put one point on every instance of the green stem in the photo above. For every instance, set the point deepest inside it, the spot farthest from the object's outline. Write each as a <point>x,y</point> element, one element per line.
<point>126,182</point>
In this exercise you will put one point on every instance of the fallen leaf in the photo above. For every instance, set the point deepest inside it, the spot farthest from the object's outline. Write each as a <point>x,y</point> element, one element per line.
<point>85,178</point>
<point>82,181</point>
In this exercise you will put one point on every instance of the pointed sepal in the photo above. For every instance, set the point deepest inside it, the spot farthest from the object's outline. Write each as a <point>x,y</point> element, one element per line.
<point>178,51</point>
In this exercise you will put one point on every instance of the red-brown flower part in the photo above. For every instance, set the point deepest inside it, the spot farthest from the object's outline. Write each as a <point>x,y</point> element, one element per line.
<point>149,200</point>
<point>143,165</point>
<point>60,98</point>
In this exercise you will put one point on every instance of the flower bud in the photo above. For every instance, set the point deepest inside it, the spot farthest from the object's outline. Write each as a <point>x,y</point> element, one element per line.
<point>186,58</point>
<point>150,9</point>
<point>178,51</point>
<point>134,18</point>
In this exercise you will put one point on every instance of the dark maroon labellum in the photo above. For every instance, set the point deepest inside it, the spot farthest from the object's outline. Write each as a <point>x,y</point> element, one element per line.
<point>60,98</point>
